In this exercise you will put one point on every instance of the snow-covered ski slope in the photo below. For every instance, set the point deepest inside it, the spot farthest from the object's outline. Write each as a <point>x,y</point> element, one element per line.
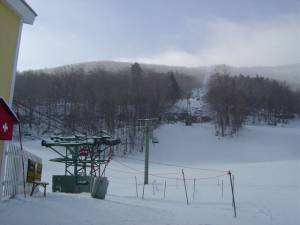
<point>264,160</point>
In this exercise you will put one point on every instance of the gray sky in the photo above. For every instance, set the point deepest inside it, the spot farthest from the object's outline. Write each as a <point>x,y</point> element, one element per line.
<point>172,32</point>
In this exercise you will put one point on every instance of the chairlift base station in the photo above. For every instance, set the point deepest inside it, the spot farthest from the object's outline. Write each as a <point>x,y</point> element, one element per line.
<point>71,184</point>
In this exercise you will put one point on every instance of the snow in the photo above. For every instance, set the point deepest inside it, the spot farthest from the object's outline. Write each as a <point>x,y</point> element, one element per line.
<point>254,144</point>
<point>265,162</point>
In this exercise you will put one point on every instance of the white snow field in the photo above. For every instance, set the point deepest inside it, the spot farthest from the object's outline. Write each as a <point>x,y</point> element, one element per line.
<point>264,160</point>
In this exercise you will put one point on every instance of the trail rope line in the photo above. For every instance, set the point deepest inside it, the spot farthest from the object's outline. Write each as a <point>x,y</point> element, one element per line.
<point>170,178</point>
<point>196,178</point>
<point>173,165</point>
<point>129,172</point>
<point>129,167</point>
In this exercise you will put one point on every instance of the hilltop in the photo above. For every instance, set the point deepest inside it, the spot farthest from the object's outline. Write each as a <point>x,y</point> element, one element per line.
<point>289,73</point>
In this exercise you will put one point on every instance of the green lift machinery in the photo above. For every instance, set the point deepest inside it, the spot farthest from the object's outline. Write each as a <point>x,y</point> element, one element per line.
<point>85,157</point>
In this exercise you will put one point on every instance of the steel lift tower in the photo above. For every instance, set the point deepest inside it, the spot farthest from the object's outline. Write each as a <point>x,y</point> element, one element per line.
<point>84,157</point>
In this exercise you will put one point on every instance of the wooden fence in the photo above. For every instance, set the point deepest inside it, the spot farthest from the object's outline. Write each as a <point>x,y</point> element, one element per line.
<point>12,176</point>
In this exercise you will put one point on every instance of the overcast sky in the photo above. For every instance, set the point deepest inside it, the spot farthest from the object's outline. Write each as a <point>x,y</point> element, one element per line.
<point>172,32</point>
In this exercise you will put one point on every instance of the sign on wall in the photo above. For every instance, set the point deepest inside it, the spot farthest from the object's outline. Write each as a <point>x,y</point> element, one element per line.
<point>34,171</point>
<point>30,171</point>
<point>7,120</point>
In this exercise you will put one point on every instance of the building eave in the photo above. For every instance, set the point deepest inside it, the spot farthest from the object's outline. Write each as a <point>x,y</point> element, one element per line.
<point>22,9</point>
<point>9,110</point>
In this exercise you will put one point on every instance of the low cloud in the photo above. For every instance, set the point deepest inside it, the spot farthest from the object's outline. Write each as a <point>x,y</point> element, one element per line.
<point>252,43</point>
<point>221,41</point>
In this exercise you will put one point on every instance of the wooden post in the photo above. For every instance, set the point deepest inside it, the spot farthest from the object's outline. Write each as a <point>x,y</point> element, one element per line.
<point>233,182</point>
<point>165,189</point>
<point>153,190</point>
<point>136,187</point>
<point>143,191</point>
<point>222,192</point>
<point>232,192</point>
<point>194,189</point>
<point>186,195</point>
<point>22,154</point>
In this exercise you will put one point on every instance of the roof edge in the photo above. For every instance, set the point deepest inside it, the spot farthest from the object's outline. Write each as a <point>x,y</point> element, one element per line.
<point>15,117</point>
<point>22,9</point>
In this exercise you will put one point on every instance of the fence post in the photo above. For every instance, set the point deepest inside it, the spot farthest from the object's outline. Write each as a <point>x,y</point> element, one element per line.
<point>136,187</point>
<point>186,195</point>
<point>233,183</point>
<point>222,187</point>
<point>194,189</point>
<point>143,191</point>
<point>232,192</point>
<point>165,189</point>
<point>153,189</point>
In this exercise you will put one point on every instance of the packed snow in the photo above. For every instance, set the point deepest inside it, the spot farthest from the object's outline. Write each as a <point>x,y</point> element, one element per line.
<point>265,162</point>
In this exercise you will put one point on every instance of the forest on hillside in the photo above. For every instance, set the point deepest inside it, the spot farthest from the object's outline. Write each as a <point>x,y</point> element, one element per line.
<point>70,101</point>
<point>236,100</point>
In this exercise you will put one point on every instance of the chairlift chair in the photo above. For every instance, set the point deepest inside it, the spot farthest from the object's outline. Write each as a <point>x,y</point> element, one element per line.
<point>155,140</point>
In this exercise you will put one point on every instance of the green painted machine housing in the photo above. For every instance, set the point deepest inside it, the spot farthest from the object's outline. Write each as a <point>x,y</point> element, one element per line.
<point>83,157</point>
<point>72,184</point>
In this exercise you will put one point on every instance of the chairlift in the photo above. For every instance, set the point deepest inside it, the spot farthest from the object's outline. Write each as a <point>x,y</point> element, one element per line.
<point>155,140</point>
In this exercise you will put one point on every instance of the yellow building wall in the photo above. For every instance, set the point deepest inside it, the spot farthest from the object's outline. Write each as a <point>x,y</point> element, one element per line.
<point>9,30</point>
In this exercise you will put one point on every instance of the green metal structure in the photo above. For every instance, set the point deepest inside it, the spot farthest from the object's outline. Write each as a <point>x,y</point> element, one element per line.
<point>85,157</point>
<point>146,152</point>
<point>148,126</point>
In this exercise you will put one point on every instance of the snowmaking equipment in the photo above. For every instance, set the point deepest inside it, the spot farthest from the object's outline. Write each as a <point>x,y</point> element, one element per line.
<point>85,159</point>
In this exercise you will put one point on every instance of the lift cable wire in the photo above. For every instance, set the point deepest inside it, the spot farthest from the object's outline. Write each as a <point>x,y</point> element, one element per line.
<point>171,178</point>
<point>174,165</point>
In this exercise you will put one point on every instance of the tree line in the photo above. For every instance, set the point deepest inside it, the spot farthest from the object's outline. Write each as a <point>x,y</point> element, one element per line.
<point>235,100</point>
<point>75,100</point>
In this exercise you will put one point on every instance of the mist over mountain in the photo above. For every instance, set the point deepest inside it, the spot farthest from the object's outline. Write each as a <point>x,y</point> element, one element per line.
<point>289,73</point>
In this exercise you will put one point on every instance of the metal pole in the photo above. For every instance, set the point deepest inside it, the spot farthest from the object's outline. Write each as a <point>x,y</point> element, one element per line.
<point>22,154</point>
<point>165,189</point>
<point>153,190</point>
<point>136,187</point>
<point>75,161</point>
<point>232,192</point>
<point>143,191</point>
<point>194,189</point>
<point>66,161</point>
<point>233,181</point>
<point>146,152</point>
<point>222,190</point>
<point>186,195</point>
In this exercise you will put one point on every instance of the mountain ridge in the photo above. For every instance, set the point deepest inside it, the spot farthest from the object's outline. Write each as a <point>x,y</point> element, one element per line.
<point>290,73</point>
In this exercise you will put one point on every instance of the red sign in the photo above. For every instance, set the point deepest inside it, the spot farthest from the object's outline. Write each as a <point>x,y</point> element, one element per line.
<point>83,152</point>
<point>7,120</point>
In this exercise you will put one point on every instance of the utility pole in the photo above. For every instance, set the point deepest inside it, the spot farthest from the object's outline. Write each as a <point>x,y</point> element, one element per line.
<point>146,171</point>
<point>147,126</point>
